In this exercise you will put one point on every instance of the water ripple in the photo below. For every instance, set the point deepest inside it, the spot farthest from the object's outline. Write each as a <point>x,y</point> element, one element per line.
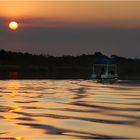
<point>69,109</point>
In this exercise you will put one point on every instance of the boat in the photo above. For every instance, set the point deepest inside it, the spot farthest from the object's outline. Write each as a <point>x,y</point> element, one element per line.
<point>105,71</point>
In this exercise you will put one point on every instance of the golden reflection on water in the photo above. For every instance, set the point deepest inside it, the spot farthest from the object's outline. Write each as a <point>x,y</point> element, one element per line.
<point>14,109</point>
<point>13,87</point>
<point>18,138</point>
<point>68,109</point>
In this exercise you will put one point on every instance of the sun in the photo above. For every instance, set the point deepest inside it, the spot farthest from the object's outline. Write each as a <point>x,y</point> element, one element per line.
<point>13,25</point>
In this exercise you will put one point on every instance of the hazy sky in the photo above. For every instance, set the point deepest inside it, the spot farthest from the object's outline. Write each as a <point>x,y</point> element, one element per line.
<point>71,28</point>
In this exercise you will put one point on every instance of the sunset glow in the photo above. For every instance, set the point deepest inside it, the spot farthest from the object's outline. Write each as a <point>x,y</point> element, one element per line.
<point>71,27</point>
<point>87,13</point>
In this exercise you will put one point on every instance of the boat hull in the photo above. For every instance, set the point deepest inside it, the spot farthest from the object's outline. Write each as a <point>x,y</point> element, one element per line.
<point>110,81</point>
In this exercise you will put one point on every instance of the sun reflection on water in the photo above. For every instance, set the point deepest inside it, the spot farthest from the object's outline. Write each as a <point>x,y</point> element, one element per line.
<point>13,87</point>
<point>14,109</point>
<point>8,117</point>
<point>18,138</point>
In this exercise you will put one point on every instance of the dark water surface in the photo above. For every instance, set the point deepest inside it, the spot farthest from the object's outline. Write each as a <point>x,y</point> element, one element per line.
<point>68,109</point>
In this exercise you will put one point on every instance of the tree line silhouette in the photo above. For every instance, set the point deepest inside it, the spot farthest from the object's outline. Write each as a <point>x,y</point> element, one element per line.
<point>25,66</point>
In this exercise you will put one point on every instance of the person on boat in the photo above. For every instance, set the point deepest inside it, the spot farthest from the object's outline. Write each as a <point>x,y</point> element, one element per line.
<point>101,73</point>
<point>102,70</point>
<point>111,74</point>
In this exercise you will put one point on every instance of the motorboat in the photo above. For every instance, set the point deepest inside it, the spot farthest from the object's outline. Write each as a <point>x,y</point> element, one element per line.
<point>105,71</point>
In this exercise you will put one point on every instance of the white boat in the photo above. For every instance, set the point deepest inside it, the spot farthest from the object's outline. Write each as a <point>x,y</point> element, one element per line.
<point>105,71</point>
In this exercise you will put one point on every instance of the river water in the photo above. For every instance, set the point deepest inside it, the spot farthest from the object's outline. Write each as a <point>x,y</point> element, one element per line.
<point>68,109</point>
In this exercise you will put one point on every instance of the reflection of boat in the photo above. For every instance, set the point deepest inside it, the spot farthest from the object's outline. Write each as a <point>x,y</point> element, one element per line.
<point>105,71</point>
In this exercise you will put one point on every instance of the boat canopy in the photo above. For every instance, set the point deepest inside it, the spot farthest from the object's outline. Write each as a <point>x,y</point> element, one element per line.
<point>105,61</point>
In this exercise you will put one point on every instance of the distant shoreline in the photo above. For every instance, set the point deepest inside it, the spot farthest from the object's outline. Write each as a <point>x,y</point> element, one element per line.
<point>15,65</point>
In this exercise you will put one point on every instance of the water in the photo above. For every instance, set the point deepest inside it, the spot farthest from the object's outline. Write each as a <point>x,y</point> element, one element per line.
<point>68,109</point>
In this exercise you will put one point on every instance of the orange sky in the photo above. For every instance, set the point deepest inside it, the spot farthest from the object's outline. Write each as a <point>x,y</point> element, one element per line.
<point>116,14</point>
